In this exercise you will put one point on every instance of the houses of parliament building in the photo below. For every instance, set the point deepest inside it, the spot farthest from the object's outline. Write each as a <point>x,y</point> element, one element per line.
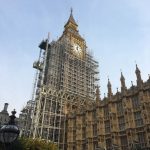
<point>120,121</point>
<point>68,109</point>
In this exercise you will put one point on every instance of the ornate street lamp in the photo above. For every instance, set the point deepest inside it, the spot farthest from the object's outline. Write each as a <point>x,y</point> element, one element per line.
<point>9,132</point>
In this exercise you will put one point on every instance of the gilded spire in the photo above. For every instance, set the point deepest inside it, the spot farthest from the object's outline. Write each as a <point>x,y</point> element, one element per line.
<point>71,10</point>
<point>71,19</point>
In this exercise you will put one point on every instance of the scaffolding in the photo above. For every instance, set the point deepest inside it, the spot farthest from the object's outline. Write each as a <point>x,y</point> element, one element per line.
<point>62,75</point>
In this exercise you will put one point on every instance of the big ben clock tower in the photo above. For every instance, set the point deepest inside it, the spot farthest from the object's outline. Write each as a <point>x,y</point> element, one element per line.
<point>66,71</point>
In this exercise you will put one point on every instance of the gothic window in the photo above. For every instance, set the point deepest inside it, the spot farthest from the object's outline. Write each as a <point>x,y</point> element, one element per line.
<point>94,114</point>
<point>108,143</point>
<point>106,112</point>
<point>107,126</point>
<point>74,148</point>
<point>83,132</point>
<point>95,130</point>
<point>120,108</point>
<point>84,146</point>
<point>138,119</point>
<point>135,102</point>
<point>124,142</point>
<point>121,121</point>
<point>141,139</point>
<point>95,145</point>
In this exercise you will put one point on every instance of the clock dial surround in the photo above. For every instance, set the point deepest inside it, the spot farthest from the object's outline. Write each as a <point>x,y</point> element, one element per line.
<point>77,49</point>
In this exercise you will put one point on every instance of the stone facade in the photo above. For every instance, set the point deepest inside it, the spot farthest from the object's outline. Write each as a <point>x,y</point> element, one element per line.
<point>4,116</point>
<point>120,121</point>
<point>24,121</point>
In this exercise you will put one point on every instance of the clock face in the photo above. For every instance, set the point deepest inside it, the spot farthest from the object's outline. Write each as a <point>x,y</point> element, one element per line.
<point>77,49</point>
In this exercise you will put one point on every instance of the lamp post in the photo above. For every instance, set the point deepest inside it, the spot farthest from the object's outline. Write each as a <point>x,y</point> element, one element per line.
<point>9,132</point>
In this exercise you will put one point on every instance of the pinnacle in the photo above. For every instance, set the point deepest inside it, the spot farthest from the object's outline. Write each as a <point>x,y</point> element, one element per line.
<point>109,84</point>
<point>137,69</point>
<point>122,77</point>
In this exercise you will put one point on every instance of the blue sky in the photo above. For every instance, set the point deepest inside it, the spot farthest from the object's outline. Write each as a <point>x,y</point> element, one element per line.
<point>117,31</point>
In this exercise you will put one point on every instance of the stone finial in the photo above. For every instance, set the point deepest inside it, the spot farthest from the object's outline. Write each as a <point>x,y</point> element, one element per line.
<point>109,88</point>
<point>104,95</point>
<point>123,84</point>
<point>117,90</point>
<point>138,75</point>
<point>97,93</point>
<point>137,69</point>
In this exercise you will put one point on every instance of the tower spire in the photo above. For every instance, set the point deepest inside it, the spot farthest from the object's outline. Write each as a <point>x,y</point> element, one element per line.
<point>71,10</point>
<point>71,23</point>
<point>71,19</point>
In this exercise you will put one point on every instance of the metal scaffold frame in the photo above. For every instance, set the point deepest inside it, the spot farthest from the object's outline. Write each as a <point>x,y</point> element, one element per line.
<point>61,77</point>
